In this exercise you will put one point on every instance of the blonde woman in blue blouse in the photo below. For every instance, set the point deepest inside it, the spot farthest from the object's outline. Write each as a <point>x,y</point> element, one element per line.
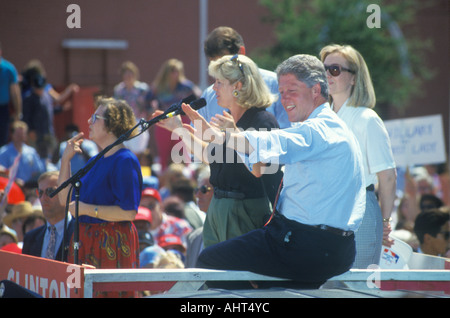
<point>352,97</point>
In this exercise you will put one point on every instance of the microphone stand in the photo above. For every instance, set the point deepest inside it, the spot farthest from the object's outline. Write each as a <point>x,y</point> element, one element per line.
<point>75,179</point>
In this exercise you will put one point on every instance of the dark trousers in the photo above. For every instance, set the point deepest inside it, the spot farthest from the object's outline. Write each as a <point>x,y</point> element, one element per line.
<point>284,248</point>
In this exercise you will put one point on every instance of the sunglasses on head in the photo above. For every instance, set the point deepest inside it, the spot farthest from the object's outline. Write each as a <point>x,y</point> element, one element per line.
<point>47,191</point>
<point>336,69</point>
<point>203,189</point>
<point>235,58</point>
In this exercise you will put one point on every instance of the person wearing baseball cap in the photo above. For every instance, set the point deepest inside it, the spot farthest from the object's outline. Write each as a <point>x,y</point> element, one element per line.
<point>170,242</point>
<point>143,219</point>
<point>151,192</point>
<point>162,223</point>
<point>8,241</point>
<point>142,222</point>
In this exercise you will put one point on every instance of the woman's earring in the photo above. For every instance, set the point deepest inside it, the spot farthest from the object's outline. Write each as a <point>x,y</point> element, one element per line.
<point>235,93</point>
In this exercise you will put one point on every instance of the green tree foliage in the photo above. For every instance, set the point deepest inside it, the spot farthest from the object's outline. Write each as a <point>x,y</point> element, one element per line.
<point>396,62</point>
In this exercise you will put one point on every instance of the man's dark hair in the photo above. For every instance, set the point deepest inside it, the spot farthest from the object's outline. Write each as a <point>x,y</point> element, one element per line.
<point>430,222</point>
<point>222,41</point>
<point>429,201</point>
<point>184,189</point>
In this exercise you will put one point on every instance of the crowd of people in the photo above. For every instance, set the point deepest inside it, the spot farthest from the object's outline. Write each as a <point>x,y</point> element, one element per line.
<point>287,173</point>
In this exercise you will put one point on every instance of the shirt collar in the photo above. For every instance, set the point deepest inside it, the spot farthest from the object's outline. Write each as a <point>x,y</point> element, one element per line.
<point>60,225</point>
<point>318,109</point>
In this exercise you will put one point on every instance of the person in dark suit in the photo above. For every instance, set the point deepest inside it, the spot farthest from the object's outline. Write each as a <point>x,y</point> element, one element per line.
<point>40,241</point>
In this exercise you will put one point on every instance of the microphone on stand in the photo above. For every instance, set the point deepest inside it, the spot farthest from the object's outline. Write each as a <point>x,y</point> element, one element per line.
<point>186,100</point>
<point>173,110</point>
<point>196,105</point>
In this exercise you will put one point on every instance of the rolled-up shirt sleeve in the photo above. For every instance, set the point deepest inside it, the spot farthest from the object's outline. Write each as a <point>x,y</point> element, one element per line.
<point>283,146</point>
<point>266,148</point>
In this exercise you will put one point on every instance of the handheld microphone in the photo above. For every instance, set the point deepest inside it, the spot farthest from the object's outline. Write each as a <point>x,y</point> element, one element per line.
<point>196,105</point>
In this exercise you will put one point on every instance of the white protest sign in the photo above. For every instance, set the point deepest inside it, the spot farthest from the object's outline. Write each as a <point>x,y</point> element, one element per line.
<point>417,140</point>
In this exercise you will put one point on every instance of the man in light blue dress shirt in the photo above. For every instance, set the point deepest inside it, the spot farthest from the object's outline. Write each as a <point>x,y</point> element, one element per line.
<point>311,237</point>
<point>227,41</point>
<point>30,165</point>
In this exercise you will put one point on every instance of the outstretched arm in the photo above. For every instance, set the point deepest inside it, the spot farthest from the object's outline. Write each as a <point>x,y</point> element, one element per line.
<point>211,133</point>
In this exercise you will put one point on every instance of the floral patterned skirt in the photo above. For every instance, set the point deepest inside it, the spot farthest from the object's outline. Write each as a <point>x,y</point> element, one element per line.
<point>108,245</point>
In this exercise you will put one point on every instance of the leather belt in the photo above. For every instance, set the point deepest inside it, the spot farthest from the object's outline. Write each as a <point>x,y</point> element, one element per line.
<point>370,188</point>
<point>333,230</point>
<point>322,227</point>
<point>221,194</point>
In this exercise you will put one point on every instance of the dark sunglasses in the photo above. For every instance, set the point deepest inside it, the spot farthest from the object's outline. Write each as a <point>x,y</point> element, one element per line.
<point>203,189</point>
<point>94,118</point>
<point>47,191</point>
<point>336,69</point>
<point>235,58</point>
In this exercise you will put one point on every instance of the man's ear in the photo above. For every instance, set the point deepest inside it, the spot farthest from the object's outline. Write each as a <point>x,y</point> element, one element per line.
<point>242,50</point>
<point>316,89</point>
<point>427,238</point>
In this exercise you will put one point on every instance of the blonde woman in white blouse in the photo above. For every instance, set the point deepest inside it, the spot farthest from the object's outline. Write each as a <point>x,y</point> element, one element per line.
<point>352,97</point>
